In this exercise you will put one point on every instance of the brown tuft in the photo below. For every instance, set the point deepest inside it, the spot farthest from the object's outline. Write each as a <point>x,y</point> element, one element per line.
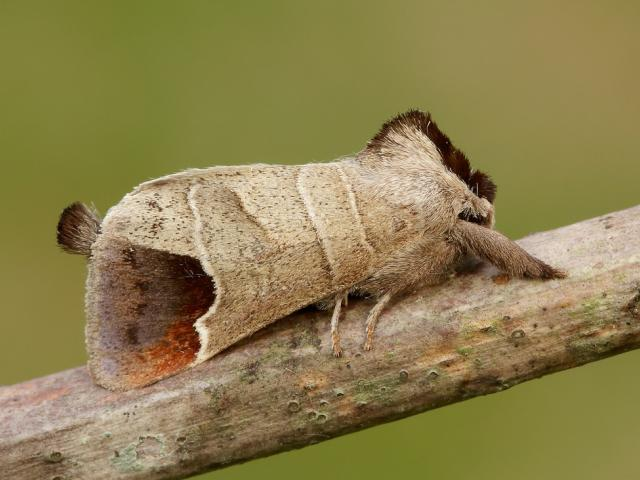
<point>78,228</point>
<point>455,160</point>
<point>481,184</point>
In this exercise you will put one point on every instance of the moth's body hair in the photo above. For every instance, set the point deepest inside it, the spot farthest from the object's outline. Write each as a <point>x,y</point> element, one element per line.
<point>405,212</point>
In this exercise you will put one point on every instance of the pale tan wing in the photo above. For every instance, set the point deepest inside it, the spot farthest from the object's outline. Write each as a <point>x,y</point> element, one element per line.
<point>275,239</point>
<point>227,251</point>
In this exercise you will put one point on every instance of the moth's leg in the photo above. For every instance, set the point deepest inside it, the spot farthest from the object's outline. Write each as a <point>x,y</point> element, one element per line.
<point>335,335</point>
<point>372,319</point>
<point>505,254</point>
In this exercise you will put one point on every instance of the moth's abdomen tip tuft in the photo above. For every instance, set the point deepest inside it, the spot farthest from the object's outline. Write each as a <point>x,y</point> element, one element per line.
<point>78,229</point>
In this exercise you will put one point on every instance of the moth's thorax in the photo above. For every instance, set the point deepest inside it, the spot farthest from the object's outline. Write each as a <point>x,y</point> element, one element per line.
<point>421,185</point>
<point>408,169</point>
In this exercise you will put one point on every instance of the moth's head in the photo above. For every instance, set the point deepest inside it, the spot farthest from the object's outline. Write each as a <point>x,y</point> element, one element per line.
<point>477,210</point>
<point>415,137</point>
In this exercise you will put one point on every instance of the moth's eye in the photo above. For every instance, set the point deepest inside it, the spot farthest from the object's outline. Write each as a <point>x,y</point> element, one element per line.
<point>469,216</point>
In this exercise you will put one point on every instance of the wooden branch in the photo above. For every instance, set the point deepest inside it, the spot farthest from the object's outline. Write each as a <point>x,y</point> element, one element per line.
<point>477,334</point>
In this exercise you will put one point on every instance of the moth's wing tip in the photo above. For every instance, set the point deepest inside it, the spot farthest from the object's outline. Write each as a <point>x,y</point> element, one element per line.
<point>142,305</point>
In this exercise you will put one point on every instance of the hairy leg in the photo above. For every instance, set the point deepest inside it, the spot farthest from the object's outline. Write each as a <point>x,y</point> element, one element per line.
<point>505,254</point>
<point>372,319</point>
<point>335,318</point>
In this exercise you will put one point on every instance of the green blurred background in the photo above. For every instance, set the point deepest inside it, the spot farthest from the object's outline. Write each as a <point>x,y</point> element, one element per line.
<point>96,97</point>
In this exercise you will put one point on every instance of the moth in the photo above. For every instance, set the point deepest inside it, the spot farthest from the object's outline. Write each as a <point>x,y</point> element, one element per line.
<point>188,264</point>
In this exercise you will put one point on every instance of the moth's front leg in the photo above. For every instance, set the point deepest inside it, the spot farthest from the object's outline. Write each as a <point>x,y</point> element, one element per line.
<point>372,319</point>
<point>502,252</point>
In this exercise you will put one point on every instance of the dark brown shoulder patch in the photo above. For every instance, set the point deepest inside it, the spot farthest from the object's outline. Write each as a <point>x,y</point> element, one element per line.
<point>455,160</point>
<point>482,185</point>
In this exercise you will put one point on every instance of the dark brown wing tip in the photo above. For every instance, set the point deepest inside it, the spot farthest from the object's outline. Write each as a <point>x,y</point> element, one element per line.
<point>78,229</point>
<point>454,159</point>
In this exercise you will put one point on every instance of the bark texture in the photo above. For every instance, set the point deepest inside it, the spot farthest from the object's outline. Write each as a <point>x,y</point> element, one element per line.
<point>479,333</point>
